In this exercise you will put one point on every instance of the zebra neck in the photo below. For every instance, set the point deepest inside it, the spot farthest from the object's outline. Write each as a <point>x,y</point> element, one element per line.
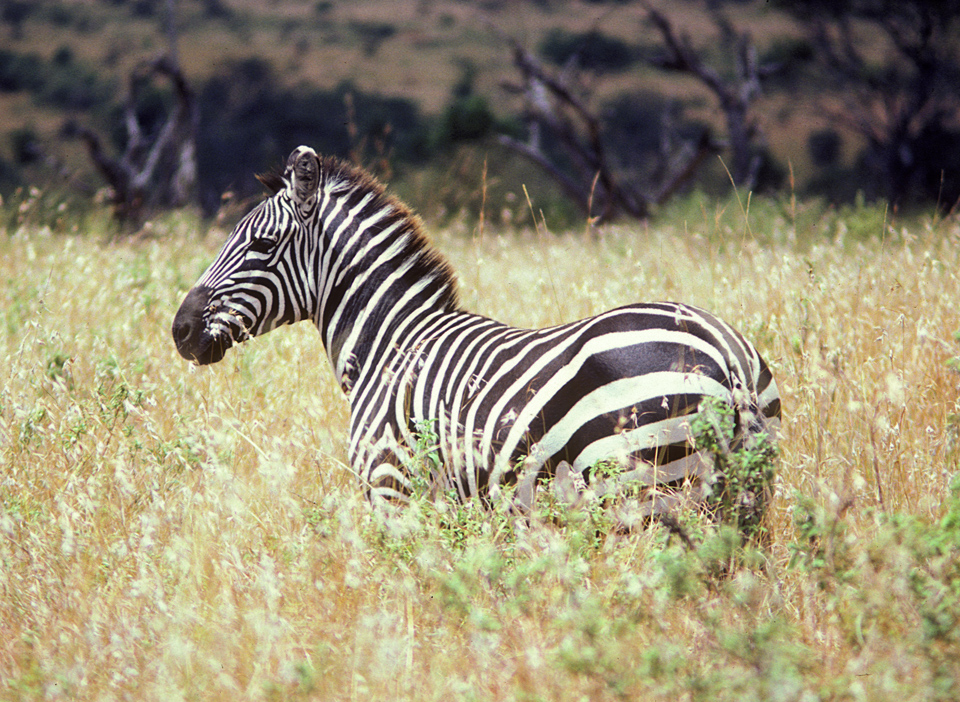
<point>379,276</point>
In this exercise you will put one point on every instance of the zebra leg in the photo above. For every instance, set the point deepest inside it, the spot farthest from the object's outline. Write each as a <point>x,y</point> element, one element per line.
<point>382,467</point>
<point>386,481</point>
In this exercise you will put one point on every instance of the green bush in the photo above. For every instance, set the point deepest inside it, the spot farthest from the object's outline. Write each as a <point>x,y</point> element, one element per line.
<point>465,119</point>
<point>250,123</point>
<point>62,82</point>
<point>20,71</point>
<point>744,467</point>
<point>593,50</point>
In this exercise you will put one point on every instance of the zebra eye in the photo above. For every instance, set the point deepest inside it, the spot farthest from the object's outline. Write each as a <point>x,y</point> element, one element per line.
<point>262,245</point>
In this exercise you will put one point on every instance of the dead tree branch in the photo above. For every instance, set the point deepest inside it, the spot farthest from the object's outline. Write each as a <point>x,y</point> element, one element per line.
<point>153,172</point>
<point>735,95</point>
<point>557,117</point>
<point>903,103</point>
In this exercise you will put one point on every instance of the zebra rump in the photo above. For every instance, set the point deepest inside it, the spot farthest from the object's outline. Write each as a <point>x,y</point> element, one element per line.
<point>506,406</point>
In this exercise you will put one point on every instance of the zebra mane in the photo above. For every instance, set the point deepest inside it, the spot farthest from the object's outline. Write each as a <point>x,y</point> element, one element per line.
<point>346,177</point>
<point>272,181</point>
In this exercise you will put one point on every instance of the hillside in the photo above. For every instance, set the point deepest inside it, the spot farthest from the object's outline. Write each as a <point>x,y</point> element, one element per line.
<point>419,54</point>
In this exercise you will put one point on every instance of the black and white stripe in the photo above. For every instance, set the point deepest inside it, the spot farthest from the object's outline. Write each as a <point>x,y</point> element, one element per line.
<point>507,405</point>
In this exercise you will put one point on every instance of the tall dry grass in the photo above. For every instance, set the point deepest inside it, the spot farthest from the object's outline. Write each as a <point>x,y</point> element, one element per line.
<point>168,532</point>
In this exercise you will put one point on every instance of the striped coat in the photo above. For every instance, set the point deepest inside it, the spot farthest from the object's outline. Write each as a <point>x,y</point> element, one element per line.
<point>505,405</point>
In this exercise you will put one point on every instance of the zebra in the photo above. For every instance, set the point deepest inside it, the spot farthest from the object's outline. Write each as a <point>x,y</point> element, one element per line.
<point>505,406</point>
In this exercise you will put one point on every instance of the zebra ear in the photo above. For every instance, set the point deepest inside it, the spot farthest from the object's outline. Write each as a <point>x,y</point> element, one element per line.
<point>303,172</point>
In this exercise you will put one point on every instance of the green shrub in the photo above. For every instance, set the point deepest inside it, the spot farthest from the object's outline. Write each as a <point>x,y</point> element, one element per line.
<point>62,82</point>
<point>744,466</point>
<point>593,50</point>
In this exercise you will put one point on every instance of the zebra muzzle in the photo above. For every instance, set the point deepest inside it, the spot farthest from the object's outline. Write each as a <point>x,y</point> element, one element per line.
<point>191,331</point>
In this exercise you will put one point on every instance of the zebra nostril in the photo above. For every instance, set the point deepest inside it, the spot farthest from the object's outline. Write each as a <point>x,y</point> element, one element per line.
<point>181,331</point>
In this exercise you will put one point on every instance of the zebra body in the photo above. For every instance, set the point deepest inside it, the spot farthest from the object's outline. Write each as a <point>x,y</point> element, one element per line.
<point>506,405</point>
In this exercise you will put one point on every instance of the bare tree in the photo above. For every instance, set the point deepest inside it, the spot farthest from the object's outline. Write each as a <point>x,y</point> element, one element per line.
<point>735,93</point>
<point>558,118</point>
<point>893,66</point>
<point>155,170</point>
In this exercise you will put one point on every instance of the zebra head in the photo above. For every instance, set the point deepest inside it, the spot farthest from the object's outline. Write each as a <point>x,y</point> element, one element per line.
<point>249,289</point>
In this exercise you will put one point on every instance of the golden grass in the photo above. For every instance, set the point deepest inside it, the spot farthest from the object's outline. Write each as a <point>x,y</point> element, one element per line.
<point>169,532</point>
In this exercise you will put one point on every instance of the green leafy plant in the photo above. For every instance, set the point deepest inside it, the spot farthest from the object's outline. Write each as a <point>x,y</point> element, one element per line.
<point>744,467</point>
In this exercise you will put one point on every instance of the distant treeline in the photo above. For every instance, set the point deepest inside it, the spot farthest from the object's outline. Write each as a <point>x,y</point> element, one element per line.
<point>249,118</point>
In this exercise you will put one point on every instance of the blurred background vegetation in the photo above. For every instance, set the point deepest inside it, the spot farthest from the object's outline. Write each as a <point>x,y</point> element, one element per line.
<point>848,100</point>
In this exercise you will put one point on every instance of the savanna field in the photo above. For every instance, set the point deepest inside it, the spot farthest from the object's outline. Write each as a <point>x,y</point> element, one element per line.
<point>170,532</point>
